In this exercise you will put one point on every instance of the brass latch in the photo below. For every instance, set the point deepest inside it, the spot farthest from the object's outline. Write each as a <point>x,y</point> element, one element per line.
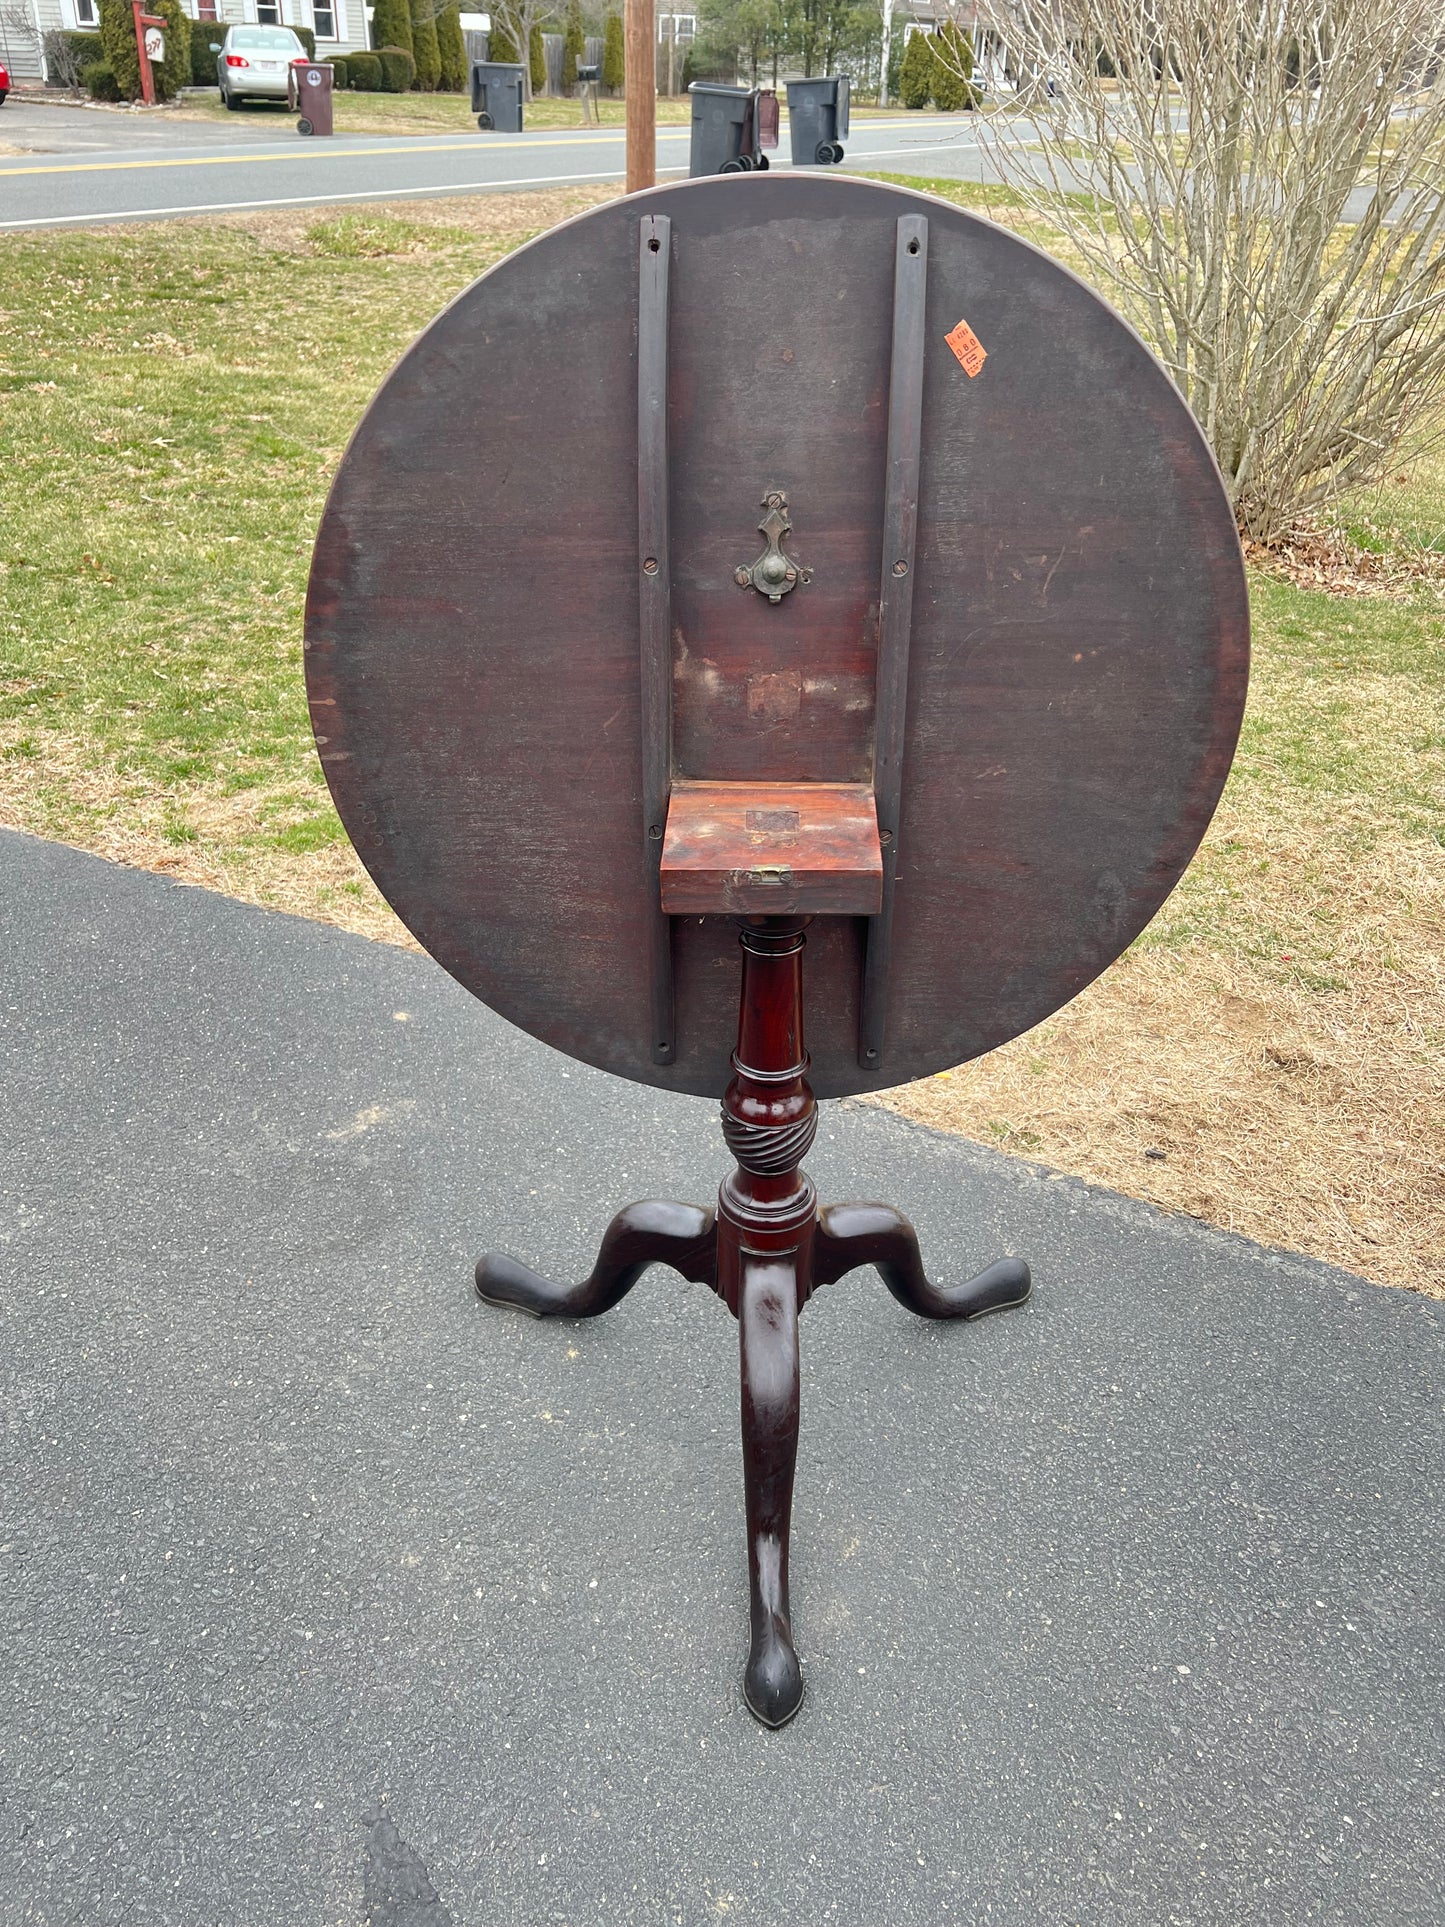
<point>774,572</point>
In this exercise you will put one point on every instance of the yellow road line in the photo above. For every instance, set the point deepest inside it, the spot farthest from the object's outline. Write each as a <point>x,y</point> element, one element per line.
<point>315,153</point>
<point>399,145</point>
<point>321,199</point>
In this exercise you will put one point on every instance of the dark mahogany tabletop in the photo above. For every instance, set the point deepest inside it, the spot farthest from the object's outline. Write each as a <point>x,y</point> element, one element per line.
<point>1079,625</point>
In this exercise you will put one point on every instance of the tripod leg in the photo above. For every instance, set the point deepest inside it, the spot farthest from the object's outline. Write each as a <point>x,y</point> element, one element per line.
<point>849,1235</point>
<point>681,1235</point>
<point>768,1334</point>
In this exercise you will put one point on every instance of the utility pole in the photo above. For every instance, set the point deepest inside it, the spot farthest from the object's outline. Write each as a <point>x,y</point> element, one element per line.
<point>640,72</point>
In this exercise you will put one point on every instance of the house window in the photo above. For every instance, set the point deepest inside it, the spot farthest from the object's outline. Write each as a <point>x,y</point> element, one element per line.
<point>86,13</point>
<point>324,17</point>
<point>206,10</point>
<point>268,12</point>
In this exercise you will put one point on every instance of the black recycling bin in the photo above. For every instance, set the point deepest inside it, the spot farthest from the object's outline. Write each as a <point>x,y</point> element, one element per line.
<point>309,88</point>
<point>497,95</point>
<point>818,120</point>
<point>729,129</point>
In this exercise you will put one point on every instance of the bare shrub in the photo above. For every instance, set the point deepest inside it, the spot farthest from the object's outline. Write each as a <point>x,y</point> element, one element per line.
<point>519,20</point>
<point>62,58</point>
<point>1260,186</point>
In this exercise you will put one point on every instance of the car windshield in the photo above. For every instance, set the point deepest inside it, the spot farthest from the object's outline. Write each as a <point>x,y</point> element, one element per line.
<point>276,40</point>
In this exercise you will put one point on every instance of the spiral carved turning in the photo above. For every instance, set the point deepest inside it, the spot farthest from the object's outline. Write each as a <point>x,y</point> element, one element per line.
<point>768,1150</point>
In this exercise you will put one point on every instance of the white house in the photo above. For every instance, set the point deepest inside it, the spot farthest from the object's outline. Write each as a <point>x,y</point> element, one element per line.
<point>339,25</point>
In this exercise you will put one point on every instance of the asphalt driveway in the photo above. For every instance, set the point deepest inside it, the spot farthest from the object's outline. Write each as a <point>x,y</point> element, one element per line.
<point>333,1596</point>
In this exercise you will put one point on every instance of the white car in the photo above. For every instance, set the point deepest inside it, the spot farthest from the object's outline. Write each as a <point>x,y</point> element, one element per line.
<point>254,63</point>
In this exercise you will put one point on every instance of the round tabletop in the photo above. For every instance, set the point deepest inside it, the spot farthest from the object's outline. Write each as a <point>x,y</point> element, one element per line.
<point>1079,632</point>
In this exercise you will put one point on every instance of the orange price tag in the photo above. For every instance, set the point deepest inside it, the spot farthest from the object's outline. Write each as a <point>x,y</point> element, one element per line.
<point>969,349</point>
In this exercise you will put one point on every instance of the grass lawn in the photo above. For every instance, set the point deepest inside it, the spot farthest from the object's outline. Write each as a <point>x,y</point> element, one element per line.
<point>451,113</point>
<point>421,113</point>
<point>173,402</point>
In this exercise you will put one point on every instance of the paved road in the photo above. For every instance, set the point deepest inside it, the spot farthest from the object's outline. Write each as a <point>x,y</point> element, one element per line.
<point>268,165</point>
<point>331,1596</point>
<point>41,126</point>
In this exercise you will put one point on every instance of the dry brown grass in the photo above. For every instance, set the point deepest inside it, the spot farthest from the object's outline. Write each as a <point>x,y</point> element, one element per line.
<point>60,788</point>
<point>1320,556</point>
<point>1220,1087</point>
<point>499,218</point>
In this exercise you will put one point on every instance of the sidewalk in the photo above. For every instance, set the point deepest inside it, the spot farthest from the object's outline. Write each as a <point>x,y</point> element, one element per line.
<point>332,1596</point>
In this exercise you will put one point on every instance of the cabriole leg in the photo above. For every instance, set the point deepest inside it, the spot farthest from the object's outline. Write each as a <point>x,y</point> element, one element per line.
<point>681,1235</point>
<point>849,1235</point>
<point>768,1342</point>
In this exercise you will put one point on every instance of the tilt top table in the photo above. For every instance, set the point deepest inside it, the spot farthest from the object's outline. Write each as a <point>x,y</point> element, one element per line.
<point>761,557</point>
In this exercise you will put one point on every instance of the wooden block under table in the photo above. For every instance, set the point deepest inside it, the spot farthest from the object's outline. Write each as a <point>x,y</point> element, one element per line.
<point>757,849</point>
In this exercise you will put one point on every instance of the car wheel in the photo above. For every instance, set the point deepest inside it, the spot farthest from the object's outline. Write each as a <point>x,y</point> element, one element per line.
<point>3,98</point>
<point>231,100</point>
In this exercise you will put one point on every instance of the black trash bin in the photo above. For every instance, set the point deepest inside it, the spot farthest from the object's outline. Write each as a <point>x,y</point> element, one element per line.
<point>818,120</point>
<point>309,86</point>
<point>497,95</point>
<point>729,129</point>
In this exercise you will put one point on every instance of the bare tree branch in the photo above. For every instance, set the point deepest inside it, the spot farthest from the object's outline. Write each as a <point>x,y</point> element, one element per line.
<point>1260,186</point>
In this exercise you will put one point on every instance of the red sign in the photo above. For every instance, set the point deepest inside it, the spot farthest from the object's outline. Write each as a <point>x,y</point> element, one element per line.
<point>147,35</point>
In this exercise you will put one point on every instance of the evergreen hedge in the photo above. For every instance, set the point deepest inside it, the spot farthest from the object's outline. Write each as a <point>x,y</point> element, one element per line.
<point>305,36</point>
<point>203,61</point>
<point>452,51</point>
<point>391,25</point>
<point>424,48</point>
<point>364,72</point>
<point>915,76</point>
<point>501,46</point>
<point>340,72</point>
<point>398,70</point>
<point>537,60</point>
<point>117,37</point>
<point>953,70</point>
<point>574,44</point>
<point>99,82</point>
<point>614,64</point>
